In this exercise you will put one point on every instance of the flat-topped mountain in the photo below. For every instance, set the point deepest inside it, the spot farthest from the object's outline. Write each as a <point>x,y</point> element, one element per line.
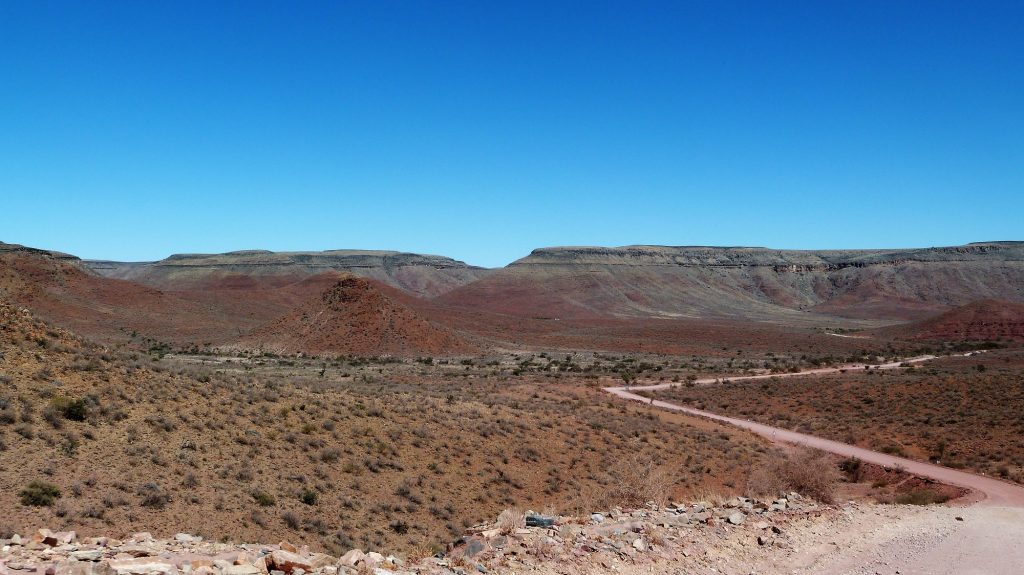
<point>712,256</point>
<point>748,282</point>
<point>215,299</point>
<point>424,275</point>
<point>20,249</point>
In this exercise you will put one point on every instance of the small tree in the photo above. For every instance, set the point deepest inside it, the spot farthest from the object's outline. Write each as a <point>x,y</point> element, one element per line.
<point>628,377</point>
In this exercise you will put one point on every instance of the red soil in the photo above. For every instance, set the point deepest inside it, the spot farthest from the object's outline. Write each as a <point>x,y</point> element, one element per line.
<point>978,321</point>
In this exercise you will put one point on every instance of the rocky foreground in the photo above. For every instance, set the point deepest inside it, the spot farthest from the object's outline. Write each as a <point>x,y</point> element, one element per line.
<point>698,537</point>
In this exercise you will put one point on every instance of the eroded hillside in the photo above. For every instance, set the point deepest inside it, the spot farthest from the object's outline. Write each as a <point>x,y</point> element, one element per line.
<point>341,454</point>
<point>794,287</point>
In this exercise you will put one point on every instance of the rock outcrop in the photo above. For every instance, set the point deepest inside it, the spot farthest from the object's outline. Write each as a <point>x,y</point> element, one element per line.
<point>677,536</point>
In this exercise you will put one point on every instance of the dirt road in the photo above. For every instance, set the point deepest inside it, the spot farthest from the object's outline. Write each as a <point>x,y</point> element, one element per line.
<point>910,540</point>
<point>994,491</point>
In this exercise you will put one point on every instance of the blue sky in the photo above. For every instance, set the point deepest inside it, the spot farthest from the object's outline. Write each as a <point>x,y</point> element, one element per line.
<point>481,130</point>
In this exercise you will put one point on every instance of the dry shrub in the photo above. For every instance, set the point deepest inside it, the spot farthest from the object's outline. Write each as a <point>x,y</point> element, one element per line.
<point>639,480</point>
<point>543,548</point>
<point>715,498</point>
<point>808,472</point>
<point>511,519</point>
<point>421,551</point>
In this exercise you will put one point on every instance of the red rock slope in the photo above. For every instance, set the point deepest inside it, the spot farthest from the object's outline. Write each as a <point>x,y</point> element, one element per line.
<point>356,316</point>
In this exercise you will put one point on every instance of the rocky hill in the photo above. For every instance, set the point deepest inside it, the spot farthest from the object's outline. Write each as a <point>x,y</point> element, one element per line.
<point>60,289</point>
<point>423,275</point>
<point>359,317</point>
<point>11,249</point>
<point>750,283</point>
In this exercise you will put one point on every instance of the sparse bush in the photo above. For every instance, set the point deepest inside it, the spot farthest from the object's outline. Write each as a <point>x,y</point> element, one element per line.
<point>921,497</point>
<point>153,496</point>
<point>290,519</point>
<point>25,430</point>
<point>511,519</point>
<point>639,481</point>
<point>39,494</point>
<point>808,472</point>
<point>330,454</point>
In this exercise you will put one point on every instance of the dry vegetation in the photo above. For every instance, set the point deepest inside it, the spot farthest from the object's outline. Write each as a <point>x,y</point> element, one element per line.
<point>964,412</point>
<point>346,453</point>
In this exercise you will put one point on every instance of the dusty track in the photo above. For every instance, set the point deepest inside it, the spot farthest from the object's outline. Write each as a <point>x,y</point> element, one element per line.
<point>994,491</point>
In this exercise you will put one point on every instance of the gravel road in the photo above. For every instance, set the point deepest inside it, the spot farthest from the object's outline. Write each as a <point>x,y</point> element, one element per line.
<point>986,538</point>
<point>995,492</point>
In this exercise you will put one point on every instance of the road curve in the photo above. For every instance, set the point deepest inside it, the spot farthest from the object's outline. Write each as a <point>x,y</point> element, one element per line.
<point>995,492</point>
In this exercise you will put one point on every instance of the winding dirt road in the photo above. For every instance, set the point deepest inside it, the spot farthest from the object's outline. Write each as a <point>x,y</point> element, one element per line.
<point>995,492</point>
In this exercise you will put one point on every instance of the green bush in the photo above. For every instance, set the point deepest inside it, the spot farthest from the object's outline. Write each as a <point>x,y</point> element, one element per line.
<point>921,497</point>
<point>71,408</point>
<point>309,497</point>
<point>263,498</point>
<point>39,494</point>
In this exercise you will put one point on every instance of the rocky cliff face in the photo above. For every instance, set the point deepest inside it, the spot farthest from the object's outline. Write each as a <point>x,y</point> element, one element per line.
<point>750,283</point>
<point>424,275</point>
<point>709,256</point>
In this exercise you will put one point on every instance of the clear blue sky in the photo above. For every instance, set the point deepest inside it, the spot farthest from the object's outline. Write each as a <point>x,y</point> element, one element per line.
<point>481,130</point>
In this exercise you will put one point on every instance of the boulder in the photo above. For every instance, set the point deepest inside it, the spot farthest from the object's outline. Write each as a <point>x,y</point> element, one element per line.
<point>320,560</point>
<point>287,562</point>
<point>736,518</point>
<point>47,537</point>
<point>87,554</point>
<point>143,566</point>
<point>474,547</point>
<point>242,570</point>
<point>72,567</point>
<point>351,558</point>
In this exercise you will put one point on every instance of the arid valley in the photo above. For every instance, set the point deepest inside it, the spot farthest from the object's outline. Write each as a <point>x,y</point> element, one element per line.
<point>398,404</point>
<point>511,287</point>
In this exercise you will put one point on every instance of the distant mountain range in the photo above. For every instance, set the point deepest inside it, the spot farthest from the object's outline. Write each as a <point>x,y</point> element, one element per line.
<point>751,283</point>
<point>422,275</point>
<point>263,298</point>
